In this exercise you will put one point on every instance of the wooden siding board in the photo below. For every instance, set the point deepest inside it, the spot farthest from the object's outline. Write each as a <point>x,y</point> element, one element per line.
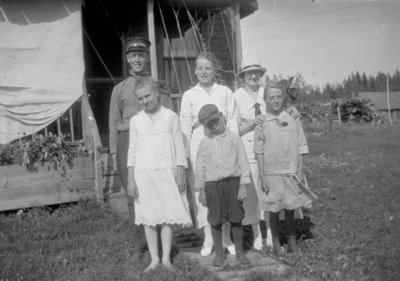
<point>46,194</point>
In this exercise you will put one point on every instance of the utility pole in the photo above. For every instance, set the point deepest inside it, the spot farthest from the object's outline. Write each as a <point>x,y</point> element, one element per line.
<point>388,99</point>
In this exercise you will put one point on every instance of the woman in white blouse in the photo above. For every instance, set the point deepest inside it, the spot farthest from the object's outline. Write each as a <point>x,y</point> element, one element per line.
<point>207,91</point>
<point>251,107</point>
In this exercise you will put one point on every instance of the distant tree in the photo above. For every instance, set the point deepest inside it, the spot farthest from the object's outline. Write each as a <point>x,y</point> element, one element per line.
<point>371,83</point>
<point>349,87</point>
<point>358,80</point>
<point>380,81</point>
<point>395,81</point>
<point>364,83</point>
<point>329,92</point>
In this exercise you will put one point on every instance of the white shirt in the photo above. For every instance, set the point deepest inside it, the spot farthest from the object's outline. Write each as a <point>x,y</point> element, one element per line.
<point>245,106</point>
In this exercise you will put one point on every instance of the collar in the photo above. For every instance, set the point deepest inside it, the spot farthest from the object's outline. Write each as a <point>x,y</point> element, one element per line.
<point>199,88</point>
<point>247,102</point>
<point>223,135</point>
<point>269,116</point>
<point>159,114</point>
<point>280,119</point>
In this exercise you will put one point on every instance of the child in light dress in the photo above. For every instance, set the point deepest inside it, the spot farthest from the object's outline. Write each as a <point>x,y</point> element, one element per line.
<point>279,147</point>
<point>221,174</point>
<point>156,170</point>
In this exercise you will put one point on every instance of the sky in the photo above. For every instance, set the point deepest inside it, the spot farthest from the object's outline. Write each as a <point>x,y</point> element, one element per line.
<point>324,40</point>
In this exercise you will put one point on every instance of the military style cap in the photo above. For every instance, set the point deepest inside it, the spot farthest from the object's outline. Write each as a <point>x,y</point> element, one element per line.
<point>137,43</point>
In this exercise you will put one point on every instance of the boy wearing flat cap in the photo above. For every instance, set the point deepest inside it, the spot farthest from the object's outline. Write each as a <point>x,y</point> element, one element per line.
<point>222,172</point>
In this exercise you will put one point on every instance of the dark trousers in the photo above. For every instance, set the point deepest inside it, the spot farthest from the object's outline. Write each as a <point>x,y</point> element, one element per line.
<point>222,202</point>
<point>122,161</point>
<point>224,206</point>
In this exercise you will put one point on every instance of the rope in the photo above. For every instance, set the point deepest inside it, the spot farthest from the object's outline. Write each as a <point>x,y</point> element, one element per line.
<point>183,42</point>
<point>200,43</point>
<point>229,46</point>
<point>170,48</point>
<point>109,19</point>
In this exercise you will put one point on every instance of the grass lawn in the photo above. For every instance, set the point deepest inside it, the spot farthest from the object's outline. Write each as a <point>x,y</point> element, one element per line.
<point>355,171</point>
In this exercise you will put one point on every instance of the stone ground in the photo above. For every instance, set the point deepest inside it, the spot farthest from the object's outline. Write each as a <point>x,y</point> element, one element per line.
<point>231,270</point>
<point>189,242</point>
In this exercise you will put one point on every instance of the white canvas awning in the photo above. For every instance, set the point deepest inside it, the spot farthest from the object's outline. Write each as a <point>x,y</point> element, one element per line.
<point>41,63</point>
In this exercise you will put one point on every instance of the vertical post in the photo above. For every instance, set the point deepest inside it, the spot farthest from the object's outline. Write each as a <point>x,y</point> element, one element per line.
<point>237,36</point>
<point>339,115</point>
<point>152,38</point>
<point>388,99</point>
<point>93,137</point>
<point>124,61</point>
<point>71,124</point>
<point>59,126</point>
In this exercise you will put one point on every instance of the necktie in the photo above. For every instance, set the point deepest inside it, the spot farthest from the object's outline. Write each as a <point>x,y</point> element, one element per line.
<point>257,110</point>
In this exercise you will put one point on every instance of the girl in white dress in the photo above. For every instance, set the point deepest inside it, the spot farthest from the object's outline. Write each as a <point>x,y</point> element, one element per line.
<point>156,170</point>
<point>205,92</point>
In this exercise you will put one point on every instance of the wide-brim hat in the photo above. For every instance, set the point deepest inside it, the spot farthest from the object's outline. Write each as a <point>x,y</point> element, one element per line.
<point>137,43</point>
<point>207,113</point>
<point>251,63</point>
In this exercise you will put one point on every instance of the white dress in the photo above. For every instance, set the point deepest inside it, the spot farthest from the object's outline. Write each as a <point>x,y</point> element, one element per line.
<point>192,100</point>
<point>155,150</point>
<point>245,105</point>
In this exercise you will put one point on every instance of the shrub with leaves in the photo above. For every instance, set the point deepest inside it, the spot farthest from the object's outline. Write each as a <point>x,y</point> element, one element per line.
<point>52,149</point>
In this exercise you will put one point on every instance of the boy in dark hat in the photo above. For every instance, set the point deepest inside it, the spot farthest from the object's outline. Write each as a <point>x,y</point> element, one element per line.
<point>222,172</point>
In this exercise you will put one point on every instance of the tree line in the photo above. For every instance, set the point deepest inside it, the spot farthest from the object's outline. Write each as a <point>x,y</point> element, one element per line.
<point>348,89</point>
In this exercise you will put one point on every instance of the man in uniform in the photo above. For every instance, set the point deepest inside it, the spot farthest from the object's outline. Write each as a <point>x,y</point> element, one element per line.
<point>124,105</point>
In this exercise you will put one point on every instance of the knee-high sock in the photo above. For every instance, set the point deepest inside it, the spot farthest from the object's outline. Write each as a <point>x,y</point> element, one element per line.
<point>289,223</point>
<point>237,233</point>
<point>274,223</point>
<point>226,234</point>
<point>217,237</point>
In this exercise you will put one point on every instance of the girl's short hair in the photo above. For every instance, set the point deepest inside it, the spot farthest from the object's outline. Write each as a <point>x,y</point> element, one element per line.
<point>275,86</point>
<point>145,81</point>
<point>211,58</point>
<point>215,63</point>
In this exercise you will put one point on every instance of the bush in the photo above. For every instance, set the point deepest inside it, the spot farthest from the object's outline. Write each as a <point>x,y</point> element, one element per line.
<point>51,148</point>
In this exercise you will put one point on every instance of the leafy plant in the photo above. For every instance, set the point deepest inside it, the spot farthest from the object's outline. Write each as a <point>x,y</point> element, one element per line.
<point>51,149</point>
